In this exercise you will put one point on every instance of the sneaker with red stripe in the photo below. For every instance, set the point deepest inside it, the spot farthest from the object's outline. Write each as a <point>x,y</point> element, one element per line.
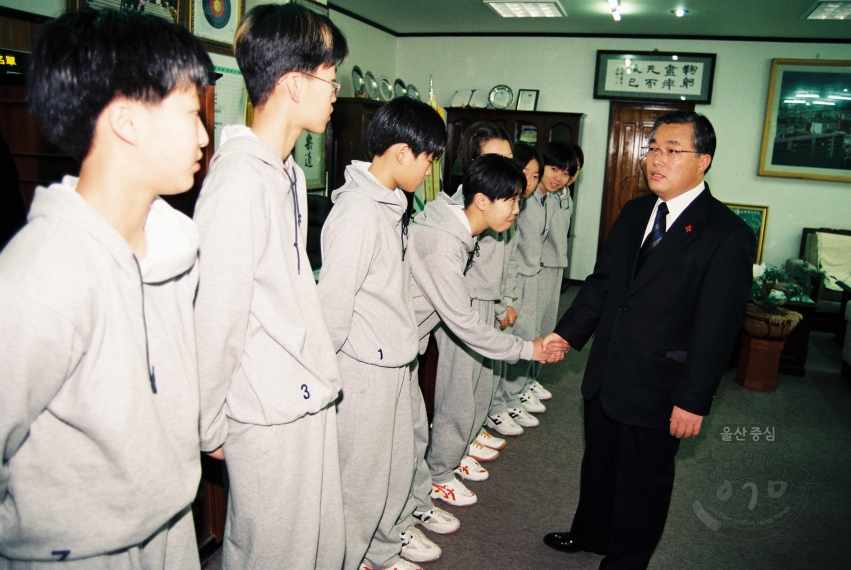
<point>453,492</point>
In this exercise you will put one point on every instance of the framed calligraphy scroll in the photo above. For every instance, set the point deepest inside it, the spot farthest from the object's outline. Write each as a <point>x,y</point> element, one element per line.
<point>309,154</point>
<point>806,131</point>
<point>654,75</point>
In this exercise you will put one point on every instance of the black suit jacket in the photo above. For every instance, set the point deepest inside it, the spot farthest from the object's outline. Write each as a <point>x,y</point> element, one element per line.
<point>663,336</point>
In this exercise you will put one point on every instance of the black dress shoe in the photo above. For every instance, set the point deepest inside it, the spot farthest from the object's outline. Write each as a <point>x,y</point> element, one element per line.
<point>562,541</point>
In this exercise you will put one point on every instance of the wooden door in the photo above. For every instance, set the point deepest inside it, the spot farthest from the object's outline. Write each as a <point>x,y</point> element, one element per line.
<point>629,126</point>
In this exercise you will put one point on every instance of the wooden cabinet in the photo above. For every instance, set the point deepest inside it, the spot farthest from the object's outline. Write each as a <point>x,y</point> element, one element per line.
<point>346,136</point>
<point>536,128</point>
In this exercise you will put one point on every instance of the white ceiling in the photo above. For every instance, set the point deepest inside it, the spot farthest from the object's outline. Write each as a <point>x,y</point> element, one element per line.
<point>774,19</point>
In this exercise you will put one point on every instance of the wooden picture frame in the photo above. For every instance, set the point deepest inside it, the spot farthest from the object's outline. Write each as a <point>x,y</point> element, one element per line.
<point>804,135</point>
<point>527,100</point>
<point>176,9</point>
<point>317,7</point>
<point>756,217</point>
<point>654,76</point>
<point>309,154</point>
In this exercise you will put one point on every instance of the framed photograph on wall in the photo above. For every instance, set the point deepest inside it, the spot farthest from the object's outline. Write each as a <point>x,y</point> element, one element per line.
<point>172,10</point>
<point>807,130</point>
<point>527,99</point>
<point>756,217</point>
<point>216,21</point>
<point>654,76</point>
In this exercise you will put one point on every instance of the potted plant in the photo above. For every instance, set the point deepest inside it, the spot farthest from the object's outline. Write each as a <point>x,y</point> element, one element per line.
<point>770,289</point>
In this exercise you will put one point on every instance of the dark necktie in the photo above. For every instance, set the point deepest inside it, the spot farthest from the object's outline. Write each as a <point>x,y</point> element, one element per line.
<point>657,232</point>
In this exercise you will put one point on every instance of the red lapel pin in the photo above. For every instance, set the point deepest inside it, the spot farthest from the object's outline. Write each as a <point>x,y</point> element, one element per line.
<point>688,229</point>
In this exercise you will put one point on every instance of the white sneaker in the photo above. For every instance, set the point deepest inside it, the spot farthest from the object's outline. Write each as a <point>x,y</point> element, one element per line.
<point>401,564</point>
<point>522,417</point>
<point>540,392</point>
<point>437,520</point>
<point>532,404</point>
<point>454,492</point>
<point>470,470</point>
<point>481,453</point>
<point>504,424</point>
<point>418,548</point>
<point>486,439</point>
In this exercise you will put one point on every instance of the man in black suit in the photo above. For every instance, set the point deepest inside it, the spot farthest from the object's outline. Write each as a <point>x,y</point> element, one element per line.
<point>665,303</point>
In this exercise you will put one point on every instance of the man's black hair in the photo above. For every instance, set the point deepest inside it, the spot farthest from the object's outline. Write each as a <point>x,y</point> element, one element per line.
<point>580,156</point>
<point>403,120</point>
<point>474,138</point>
<point>82,61</point>
<point>704,133</point>
<point>275,39</point>
<point>495,176</point>
<point>560,155</point>
<point>524,153</point>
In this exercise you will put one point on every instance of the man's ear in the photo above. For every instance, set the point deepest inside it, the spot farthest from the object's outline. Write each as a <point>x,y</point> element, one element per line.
<point>481,201</point>
<point>123,117</point>
<point>705,161</point>
<point>403,153</point>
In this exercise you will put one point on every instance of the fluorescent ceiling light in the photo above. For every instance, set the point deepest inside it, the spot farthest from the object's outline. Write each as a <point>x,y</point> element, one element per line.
<point>831,11</point>
<point>806,95</point>
<point>794,101</point>
<point>840,97</point>
<point>823,103</point>
<point>527,9</point>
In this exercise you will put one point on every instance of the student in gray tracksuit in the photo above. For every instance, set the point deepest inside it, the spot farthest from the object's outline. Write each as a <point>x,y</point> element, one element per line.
<point>442,248</point>
<point>533,225</point>
<point>365,291</point>
<point>268,372</point>
<point>98,380</point>
<point>560,164</point>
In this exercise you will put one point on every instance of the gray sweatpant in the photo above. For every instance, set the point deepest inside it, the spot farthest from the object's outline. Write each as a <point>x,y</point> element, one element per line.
<point>285,507</point>
<point>462,397</point>
<point>549,293</point>
<point>419,497</point>
<point>512,380</point>
<point>172,547</point>
<point>377,459</point>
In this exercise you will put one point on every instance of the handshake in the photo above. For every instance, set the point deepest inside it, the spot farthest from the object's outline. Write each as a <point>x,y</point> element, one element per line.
<point>550,348</point>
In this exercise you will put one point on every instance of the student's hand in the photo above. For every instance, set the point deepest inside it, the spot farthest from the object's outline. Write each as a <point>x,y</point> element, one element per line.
<point>218,454</point>
<point>554,343</point>
<point>543,356</point>
<point>510,317</point>
<point>684,424</point>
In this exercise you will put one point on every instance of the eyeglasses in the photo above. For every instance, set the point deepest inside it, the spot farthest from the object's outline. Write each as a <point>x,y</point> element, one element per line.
<point>335,85</point>
<point>672,152</point>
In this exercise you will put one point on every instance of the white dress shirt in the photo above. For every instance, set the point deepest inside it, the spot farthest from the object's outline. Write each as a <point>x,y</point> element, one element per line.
<point>675,208</point>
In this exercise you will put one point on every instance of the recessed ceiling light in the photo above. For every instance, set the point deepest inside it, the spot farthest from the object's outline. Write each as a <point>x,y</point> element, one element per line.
<point>830,11</point>
<point>527,9</point>
<point>614,5</point>
<point>679,12</point>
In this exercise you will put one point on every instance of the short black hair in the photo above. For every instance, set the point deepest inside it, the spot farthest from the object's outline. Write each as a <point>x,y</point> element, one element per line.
<point>580,156</point>
<point>524,153</point>
<point>404,120</point>
<point>475,137</point>
<point>560,155</point>
<point>82,61</point>
<point>495,176</point>
<point>704,133</point>
<point>275,39</point>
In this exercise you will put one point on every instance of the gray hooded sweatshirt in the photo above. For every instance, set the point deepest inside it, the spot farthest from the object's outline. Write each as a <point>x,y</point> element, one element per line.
<point>485,275</point>
<point>365,284</point>
<point>264,353</point>
<point>98,385</point>
<point>440,248</point>
<point>533,226</point>
<point>554,251</point>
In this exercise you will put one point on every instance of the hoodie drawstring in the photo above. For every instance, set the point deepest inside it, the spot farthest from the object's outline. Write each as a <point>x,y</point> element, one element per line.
<point>406,219</point>
<point>296,214</point>
<point>151,375</point>
<point>475,253</point>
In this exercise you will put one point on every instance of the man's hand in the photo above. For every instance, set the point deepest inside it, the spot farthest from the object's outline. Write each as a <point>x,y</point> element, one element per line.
<point>553,342</point>
<point>684,424</point>
<point>218,454</point>
<point>508,319</point>
<point>553,353</point>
